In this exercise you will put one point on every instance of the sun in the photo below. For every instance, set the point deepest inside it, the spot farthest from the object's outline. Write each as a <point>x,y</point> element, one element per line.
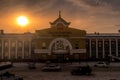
<point>22,20</point>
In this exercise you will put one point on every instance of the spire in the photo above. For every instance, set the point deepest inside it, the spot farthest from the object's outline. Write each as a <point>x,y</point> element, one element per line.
<point>59,14</point>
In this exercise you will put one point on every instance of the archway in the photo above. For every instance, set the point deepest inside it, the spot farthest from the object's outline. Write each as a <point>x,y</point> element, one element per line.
<point>60,48</point>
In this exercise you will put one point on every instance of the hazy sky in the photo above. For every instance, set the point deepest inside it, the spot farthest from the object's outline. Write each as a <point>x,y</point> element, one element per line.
<point>90,15</point>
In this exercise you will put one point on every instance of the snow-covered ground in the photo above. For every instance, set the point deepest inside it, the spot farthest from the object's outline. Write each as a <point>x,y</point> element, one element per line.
<point>21,69</point>
<point>38,75</point>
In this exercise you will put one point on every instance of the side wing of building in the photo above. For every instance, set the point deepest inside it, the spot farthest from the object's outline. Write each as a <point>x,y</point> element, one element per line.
<point>15,46</point>
<point>103,45</point>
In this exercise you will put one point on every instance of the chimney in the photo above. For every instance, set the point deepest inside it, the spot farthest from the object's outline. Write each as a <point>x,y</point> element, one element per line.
<point>1,32</point>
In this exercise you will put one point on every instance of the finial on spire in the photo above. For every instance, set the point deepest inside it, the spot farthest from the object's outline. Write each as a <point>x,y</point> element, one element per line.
<point>59,14</point>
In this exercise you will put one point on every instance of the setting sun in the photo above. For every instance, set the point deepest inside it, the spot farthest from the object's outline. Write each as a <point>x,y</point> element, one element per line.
<point>22,20</point>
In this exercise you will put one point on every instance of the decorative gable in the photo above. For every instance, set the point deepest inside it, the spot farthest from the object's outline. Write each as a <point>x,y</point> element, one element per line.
<point>60,22</point>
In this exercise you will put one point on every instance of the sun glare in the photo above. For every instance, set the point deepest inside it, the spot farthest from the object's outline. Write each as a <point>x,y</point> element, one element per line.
<point>22,20</point>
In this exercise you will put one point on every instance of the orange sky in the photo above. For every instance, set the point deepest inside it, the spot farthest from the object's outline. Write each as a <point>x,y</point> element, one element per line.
<point>93,16</point>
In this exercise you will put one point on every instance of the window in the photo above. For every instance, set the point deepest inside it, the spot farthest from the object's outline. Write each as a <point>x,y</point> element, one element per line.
<point>20,44</point>
<point>13,45</point>
<point>76,46</point>
<point>99,44</point>
<point>43,45</point>
<point>6,44</point>
<point>93,42</point>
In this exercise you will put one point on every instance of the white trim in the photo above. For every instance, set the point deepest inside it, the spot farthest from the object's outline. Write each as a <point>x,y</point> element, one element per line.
<point>96,48</point>
<point>103,48</point>
<point>16,49</point>
<point>78,51</point>
<point>2,48</point>
<point>41,50</point>
<point>116,47</point>
<point>58,23</point>
<point>44,51</point>
<point>23,52</point>
<point>110,46</point>
<point>78,37</point>
<point>103,34</point>
<point>29,49</point>
<point>60,51</point>
<point>90,48</point>
<point>9,55</point>
<point>69,37</point>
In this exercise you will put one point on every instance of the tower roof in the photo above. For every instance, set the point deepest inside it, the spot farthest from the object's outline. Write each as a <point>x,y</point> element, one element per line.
<point>60,21</point>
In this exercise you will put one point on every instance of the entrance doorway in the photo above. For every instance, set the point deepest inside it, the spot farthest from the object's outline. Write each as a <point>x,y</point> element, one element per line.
<point>60,47</point>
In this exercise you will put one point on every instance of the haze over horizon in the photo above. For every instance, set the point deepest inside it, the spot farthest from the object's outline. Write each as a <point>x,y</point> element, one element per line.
<point>91,15</point>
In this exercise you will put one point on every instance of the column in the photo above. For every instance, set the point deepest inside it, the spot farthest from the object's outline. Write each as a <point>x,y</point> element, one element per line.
<point>103,49</point>
<point>2,48</point>
<point>9,55</point>
<point>116,47</point>
<point>29,48</point>
<point>96,48</point>
<point>90,48</point>
<point>23,49</point>
<point>110,47</point>
<point>16,49</point>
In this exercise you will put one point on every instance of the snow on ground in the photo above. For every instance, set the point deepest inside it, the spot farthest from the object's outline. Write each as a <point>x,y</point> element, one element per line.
<point>21,69</point>
<point>35,75</point>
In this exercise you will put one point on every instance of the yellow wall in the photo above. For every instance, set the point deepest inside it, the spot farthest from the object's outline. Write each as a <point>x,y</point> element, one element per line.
<point>72,35</point>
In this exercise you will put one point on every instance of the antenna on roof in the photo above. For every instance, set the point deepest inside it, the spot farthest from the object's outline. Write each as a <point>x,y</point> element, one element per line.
<point>59,14</point>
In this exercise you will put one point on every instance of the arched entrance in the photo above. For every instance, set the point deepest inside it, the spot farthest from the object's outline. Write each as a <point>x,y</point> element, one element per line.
<point>60,49</point>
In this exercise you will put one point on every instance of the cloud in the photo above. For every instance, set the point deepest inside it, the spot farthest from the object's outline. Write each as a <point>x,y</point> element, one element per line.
<point>78,6</point>
<point>109,7</point>
<point>45,6</point>
<point>33,6</point>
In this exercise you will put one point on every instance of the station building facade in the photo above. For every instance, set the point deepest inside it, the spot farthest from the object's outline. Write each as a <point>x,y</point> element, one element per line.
<point>59,42</point>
